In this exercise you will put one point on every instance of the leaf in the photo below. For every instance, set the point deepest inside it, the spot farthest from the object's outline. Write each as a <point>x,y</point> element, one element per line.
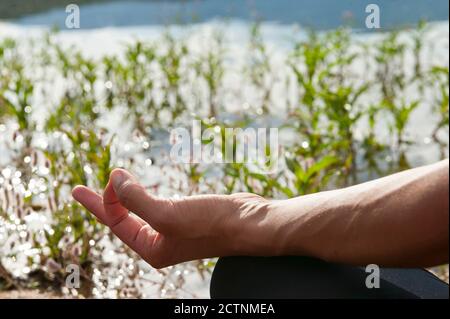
<point>321,165</point>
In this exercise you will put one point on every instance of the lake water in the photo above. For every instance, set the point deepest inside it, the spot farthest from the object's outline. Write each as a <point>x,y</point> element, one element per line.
<point>319,14</point>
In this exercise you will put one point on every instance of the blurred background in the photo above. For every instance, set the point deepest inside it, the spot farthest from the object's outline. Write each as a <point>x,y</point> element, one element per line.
<point>350,103</point>
<point>322,14</point>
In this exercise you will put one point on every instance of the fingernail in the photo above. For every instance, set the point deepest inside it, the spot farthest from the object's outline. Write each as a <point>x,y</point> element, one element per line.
<point>118,179</point>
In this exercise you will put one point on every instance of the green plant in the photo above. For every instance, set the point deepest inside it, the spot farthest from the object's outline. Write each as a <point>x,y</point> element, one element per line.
<point>440,77</point>
<point>260,68</point>
<point>210,68</point>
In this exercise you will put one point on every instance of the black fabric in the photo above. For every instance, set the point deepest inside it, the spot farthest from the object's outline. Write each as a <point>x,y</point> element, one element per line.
<point>308,278</point>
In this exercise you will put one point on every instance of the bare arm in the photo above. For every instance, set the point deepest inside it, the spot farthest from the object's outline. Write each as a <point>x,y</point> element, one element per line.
<point>401,220</point>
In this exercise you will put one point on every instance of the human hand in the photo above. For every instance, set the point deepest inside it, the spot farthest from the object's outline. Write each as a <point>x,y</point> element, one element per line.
<point>169,231</point>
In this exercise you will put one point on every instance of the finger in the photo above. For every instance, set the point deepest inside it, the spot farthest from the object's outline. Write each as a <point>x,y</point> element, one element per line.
<point>112,206</point>
<point>138,236</point>
<point>131,229</point>
<point>125,193</point>
<point>92,201</point>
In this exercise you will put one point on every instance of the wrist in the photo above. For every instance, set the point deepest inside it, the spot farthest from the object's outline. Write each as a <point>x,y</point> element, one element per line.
<point>305,226</point>
<point>285,229</point>
<point>253,227</point>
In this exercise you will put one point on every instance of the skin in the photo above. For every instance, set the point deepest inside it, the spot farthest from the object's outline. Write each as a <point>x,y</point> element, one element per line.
<point>401,220</point>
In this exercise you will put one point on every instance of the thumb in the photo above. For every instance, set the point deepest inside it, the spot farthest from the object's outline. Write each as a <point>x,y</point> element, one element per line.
<point>133,196</point>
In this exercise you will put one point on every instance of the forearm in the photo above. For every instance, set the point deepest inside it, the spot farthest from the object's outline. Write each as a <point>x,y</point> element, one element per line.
<point>400,220</point>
